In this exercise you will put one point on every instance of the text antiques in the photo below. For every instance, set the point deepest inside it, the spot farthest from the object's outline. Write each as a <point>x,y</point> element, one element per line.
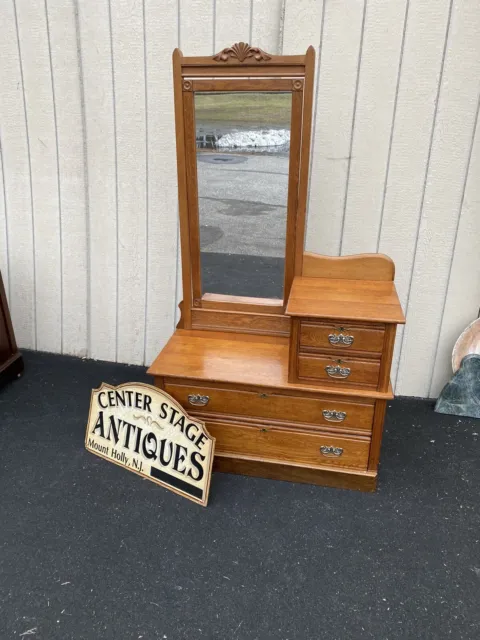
<point>143,429</point>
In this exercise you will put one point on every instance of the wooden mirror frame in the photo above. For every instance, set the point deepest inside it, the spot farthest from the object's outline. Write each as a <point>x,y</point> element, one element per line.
<point>240,68</point>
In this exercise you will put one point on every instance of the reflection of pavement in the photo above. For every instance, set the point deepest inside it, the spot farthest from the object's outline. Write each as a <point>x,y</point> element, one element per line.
<point>243,206</point>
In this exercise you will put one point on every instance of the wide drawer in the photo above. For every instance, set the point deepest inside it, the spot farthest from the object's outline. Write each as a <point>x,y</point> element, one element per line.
<point>316,411</point>
<point>345,372</point>
<point>285,445</point>
<point>350,337</point>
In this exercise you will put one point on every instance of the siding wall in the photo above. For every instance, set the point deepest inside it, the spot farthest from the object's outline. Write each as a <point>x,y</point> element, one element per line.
<point>88,202</point>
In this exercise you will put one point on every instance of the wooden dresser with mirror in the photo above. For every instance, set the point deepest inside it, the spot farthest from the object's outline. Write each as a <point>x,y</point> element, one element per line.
<point>285,355</point>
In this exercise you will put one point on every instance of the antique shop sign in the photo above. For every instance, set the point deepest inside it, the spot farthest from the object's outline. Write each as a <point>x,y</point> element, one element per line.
<point>145,430</point>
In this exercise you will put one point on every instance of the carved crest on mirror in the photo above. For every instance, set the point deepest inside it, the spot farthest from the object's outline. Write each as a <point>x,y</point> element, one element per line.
<point>241,51</point>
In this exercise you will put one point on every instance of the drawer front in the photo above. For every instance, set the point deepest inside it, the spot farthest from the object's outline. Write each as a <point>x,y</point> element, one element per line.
<point>350,371</point>
<point>348,338</point>
<point>285,445</point>
<point>315,411</point>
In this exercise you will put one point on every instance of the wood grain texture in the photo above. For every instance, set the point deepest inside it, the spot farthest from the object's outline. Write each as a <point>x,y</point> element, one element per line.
<point>377,83</point>
<point>185,293</point>
<point>366,266</point>
<point>295,214</point>
<point>100,133</point>
<point>66,85</point>
<point>354,300</point>
<point>363,373</point>
<point>378,422</point>
<point>454,126</point>
<point>277,444</point>
<point>315,336</point>
<point>241,303</point>
<point>16,192</point>
<point>40,113</point>
<point>191,180</point>
<point>334,119</point>
<point>275,406</point>
<point>410,146</point>
<point>303,182</point>
<point>461,308</point>
<point>361,481</point>
<point>293,350</point>
<point>240,70</point>
<point>236,359</point>
<point>250,84</point>
<point>387,356</point>
<point>243,322</point>
<point>161,37</point>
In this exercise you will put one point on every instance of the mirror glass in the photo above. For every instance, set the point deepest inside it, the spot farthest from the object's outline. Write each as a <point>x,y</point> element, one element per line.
<point>243,143</point>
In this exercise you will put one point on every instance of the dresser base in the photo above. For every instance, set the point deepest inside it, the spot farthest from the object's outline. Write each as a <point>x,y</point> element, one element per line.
<point>341,479</point>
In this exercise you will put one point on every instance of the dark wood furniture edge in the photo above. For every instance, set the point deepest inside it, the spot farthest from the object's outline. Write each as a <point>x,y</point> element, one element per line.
<point>341,479</point>
<point>11,368</point>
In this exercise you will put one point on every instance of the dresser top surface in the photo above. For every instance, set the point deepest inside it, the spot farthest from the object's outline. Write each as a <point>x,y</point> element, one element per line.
<point>236,358</point>
<point>361,300</point>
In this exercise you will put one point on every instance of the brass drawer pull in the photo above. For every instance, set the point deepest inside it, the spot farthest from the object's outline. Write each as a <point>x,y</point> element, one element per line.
<point>331,452</point>
<point>337,371</point>
<point>334,416</point>
<point>198,400</point>
<point>340,338</point>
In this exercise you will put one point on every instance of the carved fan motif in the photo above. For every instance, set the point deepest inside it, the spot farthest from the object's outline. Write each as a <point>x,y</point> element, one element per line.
<point>241,51</point>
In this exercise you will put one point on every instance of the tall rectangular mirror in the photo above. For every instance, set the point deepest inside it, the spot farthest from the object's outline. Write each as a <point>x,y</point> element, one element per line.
<point>242,153</point>
<point>243,124</point>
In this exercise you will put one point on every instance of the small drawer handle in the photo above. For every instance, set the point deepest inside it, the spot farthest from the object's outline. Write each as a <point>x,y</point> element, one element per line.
<point>198,400</point>
<point>340,339</point>
<point>336,371</point>
<point>331,452</point>
<point>334,416</point>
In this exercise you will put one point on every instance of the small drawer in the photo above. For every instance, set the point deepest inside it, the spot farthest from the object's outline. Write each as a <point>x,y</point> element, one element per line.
<point>348,337</point>
<point>285,445</point>
<point>345,371</point>
<point>319,410</point>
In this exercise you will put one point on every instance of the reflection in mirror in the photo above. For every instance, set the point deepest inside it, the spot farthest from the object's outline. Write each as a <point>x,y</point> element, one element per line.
<point>243,142</point>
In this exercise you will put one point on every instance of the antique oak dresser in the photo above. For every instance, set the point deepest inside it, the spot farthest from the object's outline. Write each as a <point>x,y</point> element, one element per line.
<point>293,386</point>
